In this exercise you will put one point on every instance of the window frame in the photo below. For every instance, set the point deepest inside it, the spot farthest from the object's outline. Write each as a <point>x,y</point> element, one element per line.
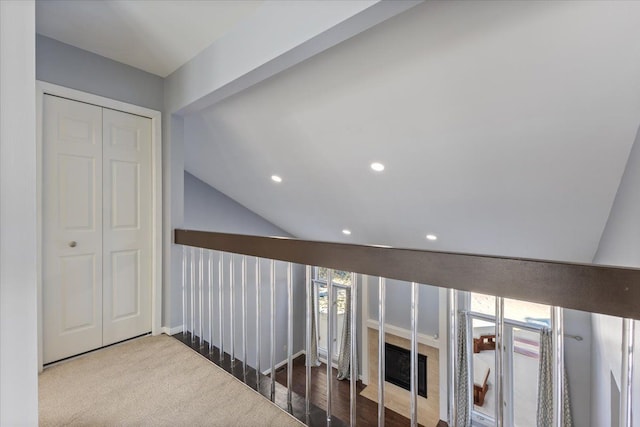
<point>317,282</point>
<point>478,418</point>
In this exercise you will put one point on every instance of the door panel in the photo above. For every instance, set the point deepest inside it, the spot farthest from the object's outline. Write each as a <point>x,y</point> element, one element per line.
<point>76,192</point>
<point>127,224</point>
<point>72,228</point>
<point>124,195</point>
<point>77,291</point>
<point>125,272</point>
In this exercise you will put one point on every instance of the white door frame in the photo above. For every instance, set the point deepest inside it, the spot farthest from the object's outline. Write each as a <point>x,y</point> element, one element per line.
<point>44,88</point>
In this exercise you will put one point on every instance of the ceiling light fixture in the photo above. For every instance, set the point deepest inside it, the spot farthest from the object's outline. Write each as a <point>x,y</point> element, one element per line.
<point>347,232</point>
<point>378,167</point>
<point>276,178</point>
<point>432,237</point>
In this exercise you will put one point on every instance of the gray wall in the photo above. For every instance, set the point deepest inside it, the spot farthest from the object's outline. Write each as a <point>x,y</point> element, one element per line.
<point>578,363</point>
<point>619,245</point>
<point>69,66</point>
<point>207,209</point>
<point>211,295</point>
<point>398,302</point>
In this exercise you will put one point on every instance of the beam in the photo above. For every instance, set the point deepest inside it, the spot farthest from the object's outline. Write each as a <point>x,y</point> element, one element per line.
<point>593,288</point>
<point>277,36</point>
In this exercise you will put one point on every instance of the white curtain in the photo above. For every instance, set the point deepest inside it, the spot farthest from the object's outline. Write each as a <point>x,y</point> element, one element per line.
<point>463,413</point>
<point>344,357</point>
<point>313,357</point>
<point>545,385</point>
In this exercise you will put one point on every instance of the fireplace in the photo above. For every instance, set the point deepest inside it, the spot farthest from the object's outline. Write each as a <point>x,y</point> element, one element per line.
<point>398,368</point>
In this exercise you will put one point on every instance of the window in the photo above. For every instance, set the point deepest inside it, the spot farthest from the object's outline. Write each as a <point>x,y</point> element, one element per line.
<point>523,311</point>
<point>523,320</point>
<point>339,277</point>
<point>341,282</point>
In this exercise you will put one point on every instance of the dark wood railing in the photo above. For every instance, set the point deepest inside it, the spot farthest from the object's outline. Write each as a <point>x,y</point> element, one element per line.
<point>594,288</point>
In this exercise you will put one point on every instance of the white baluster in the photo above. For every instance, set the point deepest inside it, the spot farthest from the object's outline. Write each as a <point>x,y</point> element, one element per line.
<point>414,353</point>
<point>353,363</point>
<point>258,310</point>
<point>626,388</point>
<point>184,292</point>
<point>381,349</point>
<point>193,294</point>
<point>289,333</point>
<point>244,317</point>
<point>272,289</point>
<point>330,314</point>
<point>499,362</point>
<point>221,303</point>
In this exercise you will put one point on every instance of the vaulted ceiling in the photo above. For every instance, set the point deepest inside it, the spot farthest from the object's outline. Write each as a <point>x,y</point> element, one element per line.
<point>155,36</point>
<point>504,128</point>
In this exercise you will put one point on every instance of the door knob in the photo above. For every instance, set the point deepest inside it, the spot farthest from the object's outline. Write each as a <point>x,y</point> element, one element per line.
<point>73,244</point>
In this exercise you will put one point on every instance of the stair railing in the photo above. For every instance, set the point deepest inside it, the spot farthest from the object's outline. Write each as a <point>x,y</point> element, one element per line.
<point>592,288</point>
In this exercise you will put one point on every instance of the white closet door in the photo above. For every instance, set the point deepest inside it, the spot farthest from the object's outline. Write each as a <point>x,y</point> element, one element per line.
<point>72,228</point>
<point>127,224</point>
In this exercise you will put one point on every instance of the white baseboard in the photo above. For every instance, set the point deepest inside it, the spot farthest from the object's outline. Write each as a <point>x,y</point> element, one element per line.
<point>171,331</point>
<point>405,333</point>
<point>335,366</point>
<point>284,362</point>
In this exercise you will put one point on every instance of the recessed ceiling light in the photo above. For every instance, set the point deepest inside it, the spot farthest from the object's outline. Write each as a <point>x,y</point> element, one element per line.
<point>378,167</point>
<point>276,178</point>
<point>347,232</point>
<point>432,237</point>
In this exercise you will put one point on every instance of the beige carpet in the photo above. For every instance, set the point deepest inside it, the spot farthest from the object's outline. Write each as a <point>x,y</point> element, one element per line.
<point>151,381</point>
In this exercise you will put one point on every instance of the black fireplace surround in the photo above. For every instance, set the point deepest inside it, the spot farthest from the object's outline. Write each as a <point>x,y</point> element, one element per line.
<point>397,368</point>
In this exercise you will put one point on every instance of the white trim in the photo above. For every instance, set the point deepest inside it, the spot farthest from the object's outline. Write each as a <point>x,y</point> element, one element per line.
<point>39,230</point>
<point>171,331</point>
<point>405,333</point>
<point>100,101</point>
<point>43,88</point>
<point>322,358</point>
<point>284,362</point>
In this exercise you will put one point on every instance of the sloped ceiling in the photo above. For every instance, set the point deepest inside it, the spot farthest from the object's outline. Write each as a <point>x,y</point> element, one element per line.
<point>504,128</point>
<point>155,36</point>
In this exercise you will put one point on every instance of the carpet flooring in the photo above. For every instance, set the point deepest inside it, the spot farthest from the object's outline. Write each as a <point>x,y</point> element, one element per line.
<point>150,381</point>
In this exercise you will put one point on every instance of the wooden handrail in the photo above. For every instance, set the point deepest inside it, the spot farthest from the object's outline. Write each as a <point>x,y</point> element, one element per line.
<point>593,288</point>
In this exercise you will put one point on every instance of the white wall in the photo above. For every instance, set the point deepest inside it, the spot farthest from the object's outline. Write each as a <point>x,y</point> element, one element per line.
<point>172,216</point>
<point>69,66</point>
<point>18,329</point>
<point>619,245</point>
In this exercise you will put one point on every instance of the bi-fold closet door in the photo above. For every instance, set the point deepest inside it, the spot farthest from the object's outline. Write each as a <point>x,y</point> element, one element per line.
<point>96,227</point>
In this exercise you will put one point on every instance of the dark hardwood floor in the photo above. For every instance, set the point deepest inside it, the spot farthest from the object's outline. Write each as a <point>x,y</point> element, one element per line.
<point>367,410</point>
<point>317,416</point>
